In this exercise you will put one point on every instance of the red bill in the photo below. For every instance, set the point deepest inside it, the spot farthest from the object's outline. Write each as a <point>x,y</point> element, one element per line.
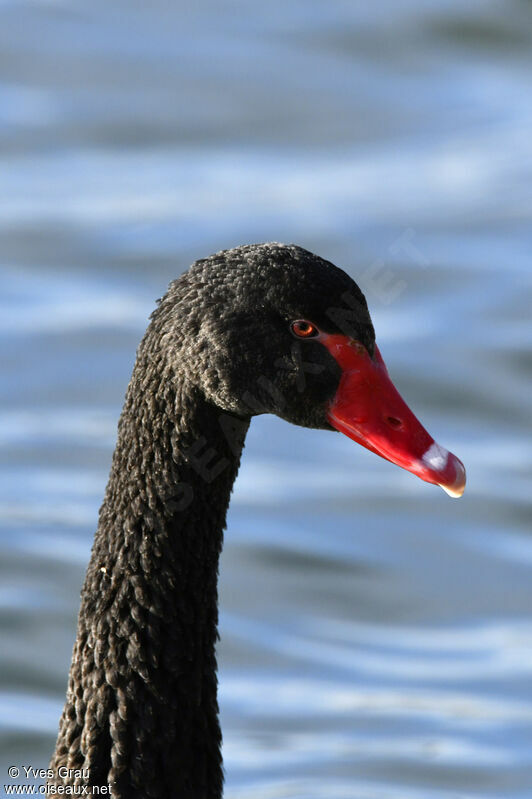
<point>368,408</point>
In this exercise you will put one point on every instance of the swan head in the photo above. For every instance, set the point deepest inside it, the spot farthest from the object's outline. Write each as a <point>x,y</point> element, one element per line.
<point>273,328</point>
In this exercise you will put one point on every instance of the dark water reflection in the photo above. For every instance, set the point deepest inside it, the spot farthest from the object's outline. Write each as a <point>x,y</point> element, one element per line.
<point>376,637</point>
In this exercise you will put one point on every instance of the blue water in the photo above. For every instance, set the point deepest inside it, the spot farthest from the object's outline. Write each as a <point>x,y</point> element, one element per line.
<point>376,637</point>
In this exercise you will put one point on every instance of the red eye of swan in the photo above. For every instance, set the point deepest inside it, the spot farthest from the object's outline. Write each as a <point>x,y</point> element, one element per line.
<point>303,329</point>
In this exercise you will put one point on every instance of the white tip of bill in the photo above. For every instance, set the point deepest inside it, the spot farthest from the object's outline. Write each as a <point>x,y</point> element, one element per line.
<point>454,493</point>
<point>436,457</point>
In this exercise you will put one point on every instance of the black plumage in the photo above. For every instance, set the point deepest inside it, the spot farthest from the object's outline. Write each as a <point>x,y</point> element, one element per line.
<point>141,711</point>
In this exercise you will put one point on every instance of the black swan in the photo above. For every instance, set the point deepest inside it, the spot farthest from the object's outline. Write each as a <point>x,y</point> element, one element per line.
<point>265,328</point>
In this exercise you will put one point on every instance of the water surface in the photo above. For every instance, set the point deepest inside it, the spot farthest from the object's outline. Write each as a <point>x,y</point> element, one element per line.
<point>376,637</point>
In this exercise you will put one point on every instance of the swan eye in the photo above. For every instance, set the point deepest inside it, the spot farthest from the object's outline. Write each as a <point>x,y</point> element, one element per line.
<point>303,329</point>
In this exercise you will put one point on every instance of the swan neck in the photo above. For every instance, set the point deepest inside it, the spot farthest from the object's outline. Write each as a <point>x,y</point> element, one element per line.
<point>141,712</point>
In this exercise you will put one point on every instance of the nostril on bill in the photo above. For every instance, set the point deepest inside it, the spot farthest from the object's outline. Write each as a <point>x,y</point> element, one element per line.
<point>394,422</point>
